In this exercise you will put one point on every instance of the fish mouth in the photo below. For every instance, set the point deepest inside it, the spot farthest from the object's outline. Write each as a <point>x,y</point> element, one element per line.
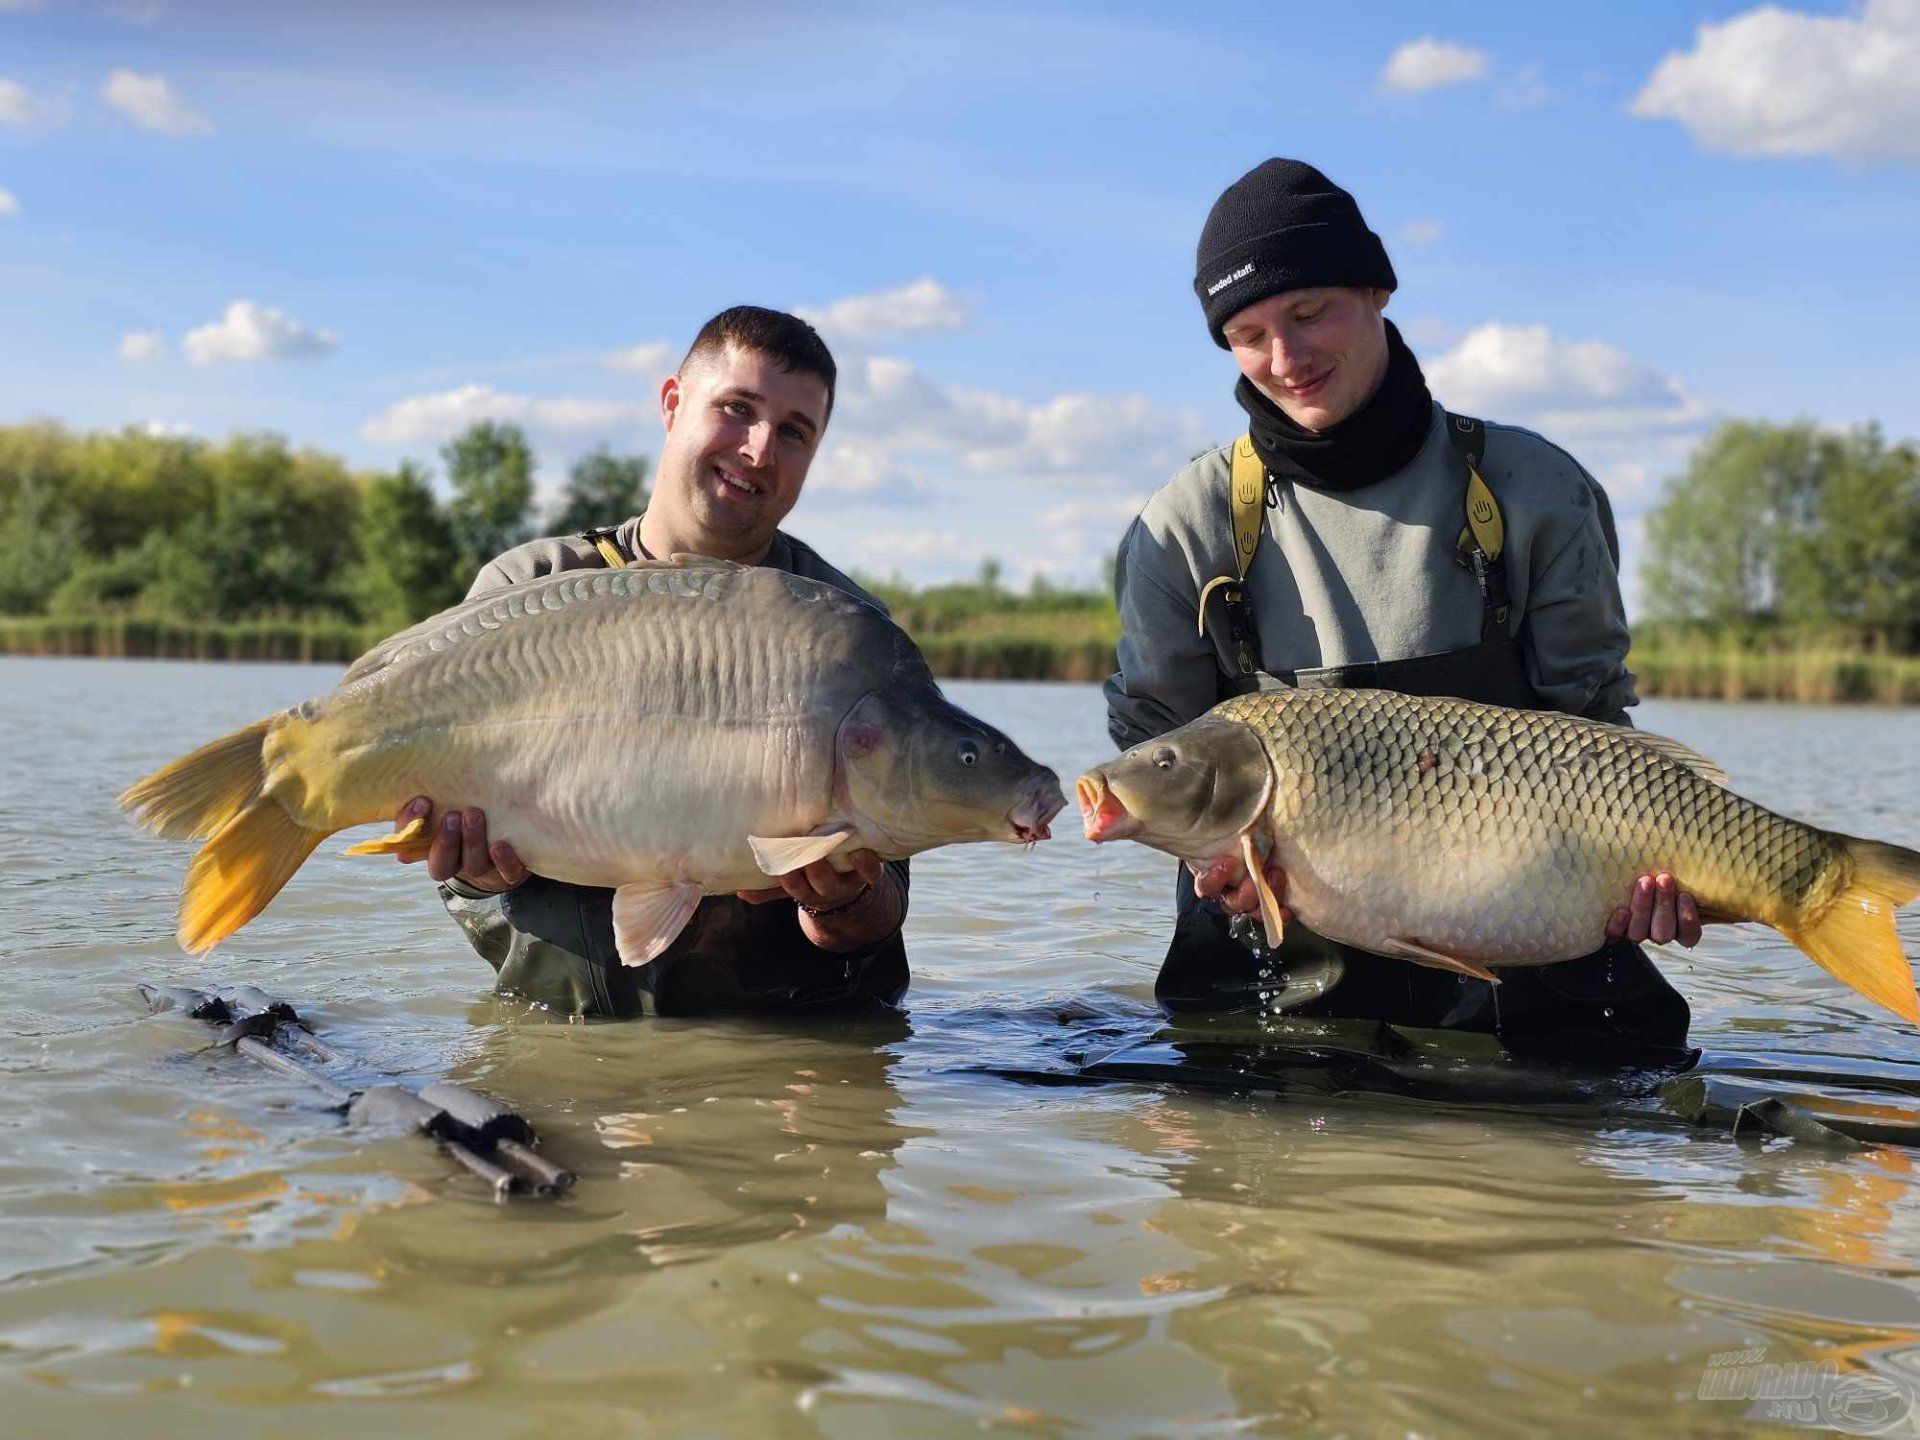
<point>1038,804</point>
<point>1102,816</point>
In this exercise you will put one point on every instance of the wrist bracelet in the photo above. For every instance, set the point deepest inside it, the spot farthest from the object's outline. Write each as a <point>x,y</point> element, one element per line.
<point>818,911</point>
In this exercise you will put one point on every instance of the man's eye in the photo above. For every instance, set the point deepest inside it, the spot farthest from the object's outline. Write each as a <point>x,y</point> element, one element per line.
<point>793,433</point>
<point>736,407</point>
<point>1307,317</point>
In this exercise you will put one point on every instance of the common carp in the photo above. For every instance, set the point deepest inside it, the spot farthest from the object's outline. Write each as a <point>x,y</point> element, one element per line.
<point>671,730</point>
<point>1469,837</point>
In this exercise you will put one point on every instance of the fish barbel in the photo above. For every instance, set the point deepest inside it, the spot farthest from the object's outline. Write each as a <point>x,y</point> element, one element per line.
<point>1470,837</point>
<point>670,730</point>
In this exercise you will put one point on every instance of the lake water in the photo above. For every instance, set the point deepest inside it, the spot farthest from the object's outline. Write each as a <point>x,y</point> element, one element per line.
<point>849,1230</point>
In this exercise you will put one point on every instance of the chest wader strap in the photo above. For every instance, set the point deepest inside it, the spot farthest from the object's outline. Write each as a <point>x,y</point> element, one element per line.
<point>1247,507</point>
<point>602,540</point>
<point>1484,537</point>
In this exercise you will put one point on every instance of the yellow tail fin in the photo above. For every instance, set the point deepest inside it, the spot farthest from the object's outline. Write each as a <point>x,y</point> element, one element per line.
<point>1854,940</point>
<point>239,870</point>
<point>198,793</point>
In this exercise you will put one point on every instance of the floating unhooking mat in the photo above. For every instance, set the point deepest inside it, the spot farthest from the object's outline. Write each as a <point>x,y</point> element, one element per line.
<point>1830,1100</point>
<point>483,1135</point>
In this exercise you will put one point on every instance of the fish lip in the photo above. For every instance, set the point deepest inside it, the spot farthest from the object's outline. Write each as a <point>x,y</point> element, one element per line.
<point>1102,816</point>
<point>1032,813</point>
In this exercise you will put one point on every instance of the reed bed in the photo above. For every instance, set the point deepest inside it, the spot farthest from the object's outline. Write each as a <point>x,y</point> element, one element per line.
<point>1069,637</point>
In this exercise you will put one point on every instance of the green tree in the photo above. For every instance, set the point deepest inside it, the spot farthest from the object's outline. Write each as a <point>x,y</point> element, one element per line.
<point>1789,523</point>
<point>39,547</point>
<point>602,489</point>
<point>491,470</point>
<point>409,565</point>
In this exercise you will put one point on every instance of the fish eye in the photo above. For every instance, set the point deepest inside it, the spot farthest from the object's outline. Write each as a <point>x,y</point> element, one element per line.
<point>967,752</point>
<point>1163,757</point>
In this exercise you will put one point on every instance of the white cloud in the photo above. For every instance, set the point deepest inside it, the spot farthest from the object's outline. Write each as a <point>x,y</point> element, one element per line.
<point>1420,232</point>
<point>654,359</point>
<point>139,347</point>
<point>167,429</point>
<point>17,106</point>
<point>1086,437</point>
<point>922,307</point>
<point>8,205</point>
<point>1427,63</point>
<point>440,416</point>
<point>1772,81</point>
<point>252,331</point>
<point>1526,375</point>
<point>1524,89</point>
<point>149,101</point>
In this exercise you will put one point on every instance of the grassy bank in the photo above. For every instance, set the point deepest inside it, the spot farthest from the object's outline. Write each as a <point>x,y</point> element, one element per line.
<point>968,635</point>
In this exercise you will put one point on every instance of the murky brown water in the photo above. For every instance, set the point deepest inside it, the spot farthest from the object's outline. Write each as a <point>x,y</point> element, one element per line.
<point>853,1230</point>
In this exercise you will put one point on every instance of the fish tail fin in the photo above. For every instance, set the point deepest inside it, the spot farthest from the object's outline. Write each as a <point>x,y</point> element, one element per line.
<point>1853,938</point>
<point>240,869</point>
<point>199,793</point>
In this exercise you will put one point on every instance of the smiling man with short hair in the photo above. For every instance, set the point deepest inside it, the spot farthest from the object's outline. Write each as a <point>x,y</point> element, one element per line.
<point>1360,535</point>
<point>743,417</point>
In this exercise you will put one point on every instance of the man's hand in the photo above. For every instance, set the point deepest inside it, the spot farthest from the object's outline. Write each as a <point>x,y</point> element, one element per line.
<point>1229,881</point>
<point>1656,910</point>
<point>459,848</point>
<point>819,886</point>
<point>840,910</point>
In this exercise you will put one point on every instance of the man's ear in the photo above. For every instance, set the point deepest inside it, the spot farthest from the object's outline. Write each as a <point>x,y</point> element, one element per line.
<point>1379,298</point>
<point>671,394</point>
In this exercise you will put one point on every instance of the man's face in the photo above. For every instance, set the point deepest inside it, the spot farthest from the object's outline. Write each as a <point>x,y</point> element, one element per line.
<point>741,433</point>
<point>1318,354</point>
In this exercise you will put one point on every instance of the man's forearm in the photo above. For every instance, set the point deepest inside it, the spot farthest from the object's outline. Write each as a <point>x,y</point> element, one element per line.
<point>878,911</point>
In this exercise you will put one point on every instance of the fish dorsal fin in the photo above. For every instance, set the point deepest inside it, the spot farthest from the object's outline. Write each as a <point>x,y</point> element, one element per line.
<point>784,854</point>
<point>704,562</point>
<point>1680,754</point>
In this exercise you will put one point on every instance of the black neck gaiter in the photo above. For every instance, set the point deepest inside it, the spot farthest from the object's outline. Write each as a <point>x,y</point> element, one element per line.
<point>1377,440</point>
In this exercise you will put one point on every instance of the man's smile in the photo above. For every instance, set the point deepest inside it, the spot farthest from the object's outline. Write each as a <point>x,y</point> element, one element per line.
<point>739,484</point>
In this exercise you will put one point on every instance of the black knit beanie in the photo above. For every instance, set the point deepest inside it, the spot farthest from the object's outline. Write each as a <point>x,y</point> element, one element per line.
<point>1282,226</point>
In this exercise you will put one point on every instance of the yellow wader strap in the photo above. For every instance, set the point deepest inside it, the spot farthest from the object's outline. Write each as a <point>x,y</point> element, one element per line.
<point>602,540</point>
<point>1484,537</point>
<point>1247,494</point>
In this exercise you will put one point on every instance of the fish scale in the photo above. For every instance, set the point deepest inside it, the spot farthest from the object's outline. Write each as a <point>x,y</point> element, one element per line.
<point>1524,784</point>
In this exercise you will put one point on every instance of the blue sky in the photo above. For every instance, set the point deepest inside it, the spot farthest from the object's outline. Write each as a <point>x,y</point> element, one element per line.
<point>363,225</point>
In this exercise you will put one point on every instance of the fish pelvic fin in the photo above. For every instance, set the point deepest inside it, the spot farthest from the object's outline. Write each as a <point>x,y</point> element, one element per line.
<point>1421,953</point>
<point>1853,938</point>
<point>239,870</point>
<point>648,918</point>
<point>199,793</point>
<point>410,842</point>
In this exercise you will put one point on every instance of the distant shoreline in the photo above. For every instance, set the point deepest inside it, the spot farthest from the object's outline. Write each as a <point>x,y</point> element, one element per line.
<point>1678,669</point>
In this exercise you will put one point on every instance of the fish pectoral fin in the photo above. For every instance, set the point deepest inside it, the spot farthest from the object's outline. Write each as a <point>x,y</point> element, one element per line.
<point>1420,953</point>
<point>785,854</point>
<point>1270,917</point>
<point>410,842</point>
<point>648,918</point>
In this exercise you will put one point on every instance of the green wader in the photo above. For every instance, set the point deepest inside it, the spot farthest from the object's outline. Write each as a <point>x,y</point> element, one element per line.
<point>552,943</point>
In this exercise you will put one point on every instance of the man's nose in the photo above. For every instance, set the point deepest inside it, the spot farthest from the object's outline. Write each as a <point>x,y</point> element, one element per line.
<point>758,446</point>
<point>1284,353</point>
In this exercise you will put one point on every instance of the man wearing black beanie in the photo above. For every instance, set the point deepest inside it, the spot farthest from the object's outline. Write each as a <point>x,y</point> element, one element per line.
<point>1360,535</point>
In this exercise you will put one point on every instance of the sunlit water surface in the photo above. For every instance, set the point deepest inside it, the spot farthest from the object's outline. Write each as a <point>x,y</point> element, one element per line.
<point>855,1229</point>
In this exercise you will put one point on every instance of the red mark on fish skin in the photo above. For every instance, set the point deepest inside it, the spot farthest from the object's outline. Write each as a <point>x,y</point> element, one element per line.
<point>1428,760</point>
<point>863,738</point>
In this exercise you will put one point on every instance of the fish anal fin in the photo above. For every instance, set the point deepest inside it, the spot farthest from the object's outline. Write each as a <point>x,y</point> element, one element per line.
<point>409,842</point>
<point>648,918</point>
<point>1421,953</point>
<point>1270,917</point>
<point>781,855</point>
